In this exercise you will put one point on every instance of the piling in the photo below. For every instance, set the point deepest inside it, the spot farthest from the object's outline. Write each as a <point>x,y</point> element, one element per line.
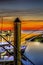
<point>17,41</point>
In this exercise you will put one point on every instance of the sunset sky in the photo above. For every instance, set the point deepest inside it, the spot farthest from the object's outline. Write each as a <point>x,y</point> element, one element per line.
<point>25,24</point>
<point>26,10</point>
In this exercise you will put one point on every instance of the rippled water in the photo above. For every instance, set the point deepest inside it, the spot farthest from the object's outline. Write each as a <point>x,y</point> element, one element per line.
<point>34,52</point>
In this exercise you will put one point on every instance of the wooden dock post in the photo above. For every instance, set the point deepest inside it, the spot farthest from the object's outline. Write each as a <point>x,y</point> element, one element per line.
<point>17,41</point>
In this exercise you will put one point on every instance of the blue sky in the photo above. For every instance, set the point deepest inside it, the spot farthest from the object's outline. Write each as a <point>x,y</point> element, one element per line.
<point>25,7</point>
<point>21,4</point>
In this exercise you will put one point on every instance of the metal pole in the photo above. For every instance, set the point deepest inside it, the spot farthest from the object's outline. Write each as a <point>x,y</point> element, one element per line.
<point>17,41</point>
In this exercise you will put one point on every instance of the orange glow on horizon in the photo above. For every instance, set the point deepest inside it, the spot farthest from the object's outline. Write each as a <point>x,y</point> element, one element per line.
<point>25,25</point>
<point>30,25</point>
